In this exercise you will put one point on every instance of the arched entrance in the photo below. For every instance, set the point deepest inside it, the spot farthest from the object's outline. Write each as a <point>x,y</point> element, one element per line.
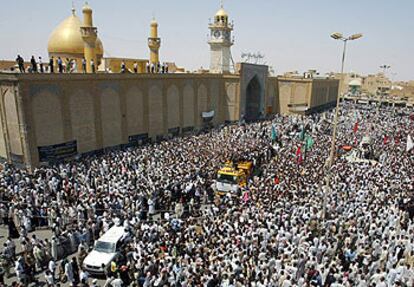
<point>253,99</point>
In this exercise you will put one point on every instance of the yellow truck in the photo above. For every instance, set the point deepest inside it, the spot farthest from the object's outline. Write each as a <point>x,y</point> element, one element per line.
<point>231,177</point>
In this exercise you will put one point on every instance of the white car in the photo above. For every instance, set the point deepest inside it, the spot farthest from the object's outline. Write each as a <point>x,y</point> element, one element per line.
<point>106,249</point>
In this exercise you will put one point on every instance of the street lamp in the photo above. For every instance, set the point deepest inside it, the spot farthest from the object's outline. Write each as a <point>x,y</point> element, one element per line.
<point>340,37</point>
<point>382,88</point>
<point>385,68</point>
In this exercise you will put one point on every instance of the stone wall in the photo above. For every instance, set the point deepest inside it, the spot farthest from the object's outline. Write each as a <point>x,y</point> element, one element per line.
<point>104,110</point>
<point>101,111</point>
<point>324,93</point>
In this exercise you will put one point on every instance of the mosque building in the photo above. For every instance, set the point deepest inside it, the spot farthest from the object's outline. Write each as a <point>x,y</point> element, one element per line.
<point>67,41</point>
<point>52,117</point>
<point>76,40</point>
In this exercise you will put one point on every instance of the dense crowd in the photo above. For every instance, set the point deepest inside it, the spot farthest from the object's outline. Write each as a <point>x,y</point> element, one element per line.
<point>287,227</point>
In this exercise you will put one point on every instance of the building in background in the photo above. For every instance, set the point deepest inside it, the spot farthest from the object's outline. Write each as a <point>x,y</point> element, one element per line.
<point>372,85</point>
<point>403,90</point>
<point>300,95</point>
<point>377,85</point>
<point>220,43</point>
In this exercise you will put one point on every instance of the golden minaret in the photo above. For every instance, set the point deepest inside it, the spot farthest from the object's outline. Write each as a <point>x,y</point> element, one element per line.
<point>89,35</point>
<point>154,43</point>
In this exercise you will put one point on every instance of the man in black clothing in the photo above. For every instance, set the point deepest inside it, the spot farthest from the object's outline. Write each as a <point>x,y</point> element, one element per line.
<point>92,66</point>
<point>84,65</point>
<point>20,63</point>
<point>52,65</point>
<point>123,67</point>
<point>34,64</point>
<point>213,282</point>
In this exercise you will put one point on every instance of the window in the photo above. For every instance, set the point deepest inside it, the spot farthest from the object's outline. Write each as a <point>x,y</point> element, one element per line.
<point>105,247</point>
<point>226,178</point>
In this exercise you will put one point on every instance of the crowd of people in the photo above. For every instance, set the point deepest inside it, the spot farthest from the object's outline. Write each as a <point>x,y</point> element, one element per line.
<point>288,227</point>
<point>59,65</point>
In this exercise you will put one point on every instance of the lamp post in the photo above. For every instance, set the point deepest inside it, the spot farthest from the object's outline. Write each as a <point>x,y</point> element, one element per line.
<point>385,68</point>
<point>382,88</point>
<point>340,37</point>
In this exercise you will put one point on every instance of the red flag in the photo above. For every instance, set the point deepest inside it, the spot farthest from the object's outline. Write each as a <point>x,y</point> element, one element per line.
<point>385,139</point>
<point>299,155</point>
<point>356,127</point>
<point>277,180</point>
<point>397,138</point>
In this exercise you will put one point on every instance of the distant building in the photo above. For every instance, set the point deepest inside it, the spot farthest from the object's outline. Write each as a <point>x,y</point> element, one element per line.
<point>377,85</point>
<point>306,95</point>
<point>403,90</point>
<point>370,85</point>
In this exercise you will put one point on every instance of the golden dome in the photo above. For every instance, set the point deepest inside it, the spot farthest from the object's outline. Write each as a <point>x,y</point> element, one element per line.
<point>67,40</point>
<point>222,13</point>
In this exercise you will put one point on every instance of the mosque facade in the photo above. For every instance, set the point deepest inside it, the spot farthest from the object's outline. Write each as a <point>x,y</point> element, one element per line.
<point>49,117</point>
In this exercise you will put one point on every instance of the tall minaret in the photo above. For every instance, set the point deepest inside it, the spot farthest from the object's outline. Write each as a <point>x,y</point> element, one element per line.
<point>89,35</point>
<point>220,42</point>
<point>154,43</point>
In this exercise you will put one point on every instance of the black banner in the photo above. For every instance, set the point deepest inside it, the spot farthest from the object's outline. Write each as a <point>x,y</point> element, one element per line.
<point>57,152</point>
<point>174,131</point>
<point>188,129</point>
<point>139,139</point>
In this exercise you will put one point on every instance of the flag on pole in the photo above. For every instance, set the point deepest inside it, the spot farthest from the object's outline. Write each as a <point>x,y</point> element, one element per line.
<point>410,143</point>
<point>274,133</point>
<point>385,139</point>
<point>356,126</point>
<point>309,143</point>
<point>397,138</point>
<point>299,155</point>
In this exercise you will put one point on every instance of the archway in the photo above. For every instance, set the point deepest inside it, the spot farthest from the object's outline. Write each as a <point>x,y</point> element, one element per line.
<point>253,99</point>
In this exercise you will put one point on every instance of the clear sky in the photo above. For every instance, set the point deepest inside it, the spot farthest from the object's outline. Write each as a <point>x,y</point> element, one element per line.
<point>292,34</point>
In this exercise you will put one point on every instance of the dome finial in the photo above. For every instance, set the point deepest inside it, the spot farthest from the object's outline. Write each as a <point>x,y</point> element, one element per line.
<point>222,3</point>
<point>154,20</point>
<point>87,8</point>
<point>73,8</point>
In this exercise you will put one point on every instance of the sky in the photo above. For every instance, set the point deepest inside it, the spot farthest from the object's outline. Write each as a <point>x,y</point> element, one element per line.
<point>293,35</point>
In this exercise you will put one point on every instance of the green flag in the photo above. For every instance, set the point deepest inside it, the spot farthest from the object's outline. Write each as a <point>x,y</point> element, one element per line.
<point>274,133</point>
<point>309,143</point>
